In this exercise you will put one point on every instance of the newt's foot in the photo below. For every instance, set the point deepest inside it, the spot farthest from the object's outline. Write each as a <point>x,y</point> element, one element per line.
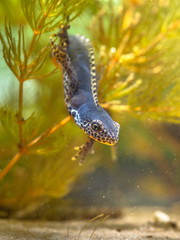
<point>83,151</point>
<point>59,51</point>
<point>63,31</point>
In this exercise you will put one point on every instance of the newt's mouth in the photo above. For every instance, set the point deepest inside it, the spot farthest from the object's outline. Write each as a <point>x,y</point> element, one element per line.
<point>110,143</point>
<point>109,138</point>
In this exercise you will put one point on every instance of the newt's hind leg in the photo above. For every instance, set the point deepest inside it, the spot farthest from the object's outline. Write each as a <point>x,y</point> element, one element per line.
<point>83,150</point>
<point>62,34</point>
<point>59,52</point>
<point>60,58</point>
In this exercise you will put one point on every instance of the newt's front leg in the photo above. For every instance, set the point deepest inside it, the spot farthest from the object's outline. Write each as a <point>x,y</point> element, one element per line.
<point>83,150</point>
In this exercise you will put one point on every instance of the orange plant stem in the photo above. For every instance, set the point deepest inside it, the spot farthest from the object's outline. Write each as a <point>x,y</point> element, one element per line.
<point>25,149</point>
<point>10,164</point>
<point>48,132</point>
<point>20,117</point>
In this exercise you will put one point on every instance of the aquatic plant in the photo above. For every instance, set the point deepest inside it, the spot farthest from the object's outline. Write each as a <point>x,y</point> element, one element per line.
<point>27,132</point>
<point>136,42</point>
<point>136,45</point>
<point>139,71</point>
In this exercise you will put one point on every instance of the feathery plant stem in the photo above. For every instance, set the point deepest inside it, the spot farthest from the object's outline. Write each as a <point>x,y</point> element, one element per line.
<point>43,17</point>
<point>20,114</point>
<point>32,44</point>
<point>25,149</point>
<point>10,164</point>
<point>36,36</point>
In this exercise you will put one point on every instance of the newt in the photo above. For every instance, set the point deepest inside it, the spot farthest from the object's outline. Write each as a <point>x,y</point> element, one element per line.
<point>75,55</point>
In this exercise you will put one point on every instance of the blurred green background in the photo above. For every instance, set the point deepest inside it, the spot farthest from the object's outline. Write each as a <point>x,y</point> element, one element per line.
<point>138,65</point>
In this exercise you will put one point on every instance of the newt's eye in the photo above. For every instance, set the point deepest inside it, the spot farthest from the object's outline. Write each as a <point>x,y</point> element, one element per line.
<point>96,126</point>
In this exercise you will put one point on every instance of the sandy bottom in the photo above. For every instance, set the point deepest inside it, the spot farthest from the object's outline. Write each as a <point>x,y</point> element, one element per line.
<point>134,224</point>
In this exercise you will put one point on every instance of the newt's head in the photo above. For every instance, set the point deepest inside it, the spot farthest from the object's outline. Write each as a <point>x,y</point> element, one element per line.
<point>97,124</point>
<point>102,131</point>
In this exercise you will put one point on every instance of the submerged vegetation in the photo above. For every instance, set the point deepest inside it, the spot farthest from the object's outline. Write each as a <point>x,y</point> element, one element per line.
<point>136,45</point>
